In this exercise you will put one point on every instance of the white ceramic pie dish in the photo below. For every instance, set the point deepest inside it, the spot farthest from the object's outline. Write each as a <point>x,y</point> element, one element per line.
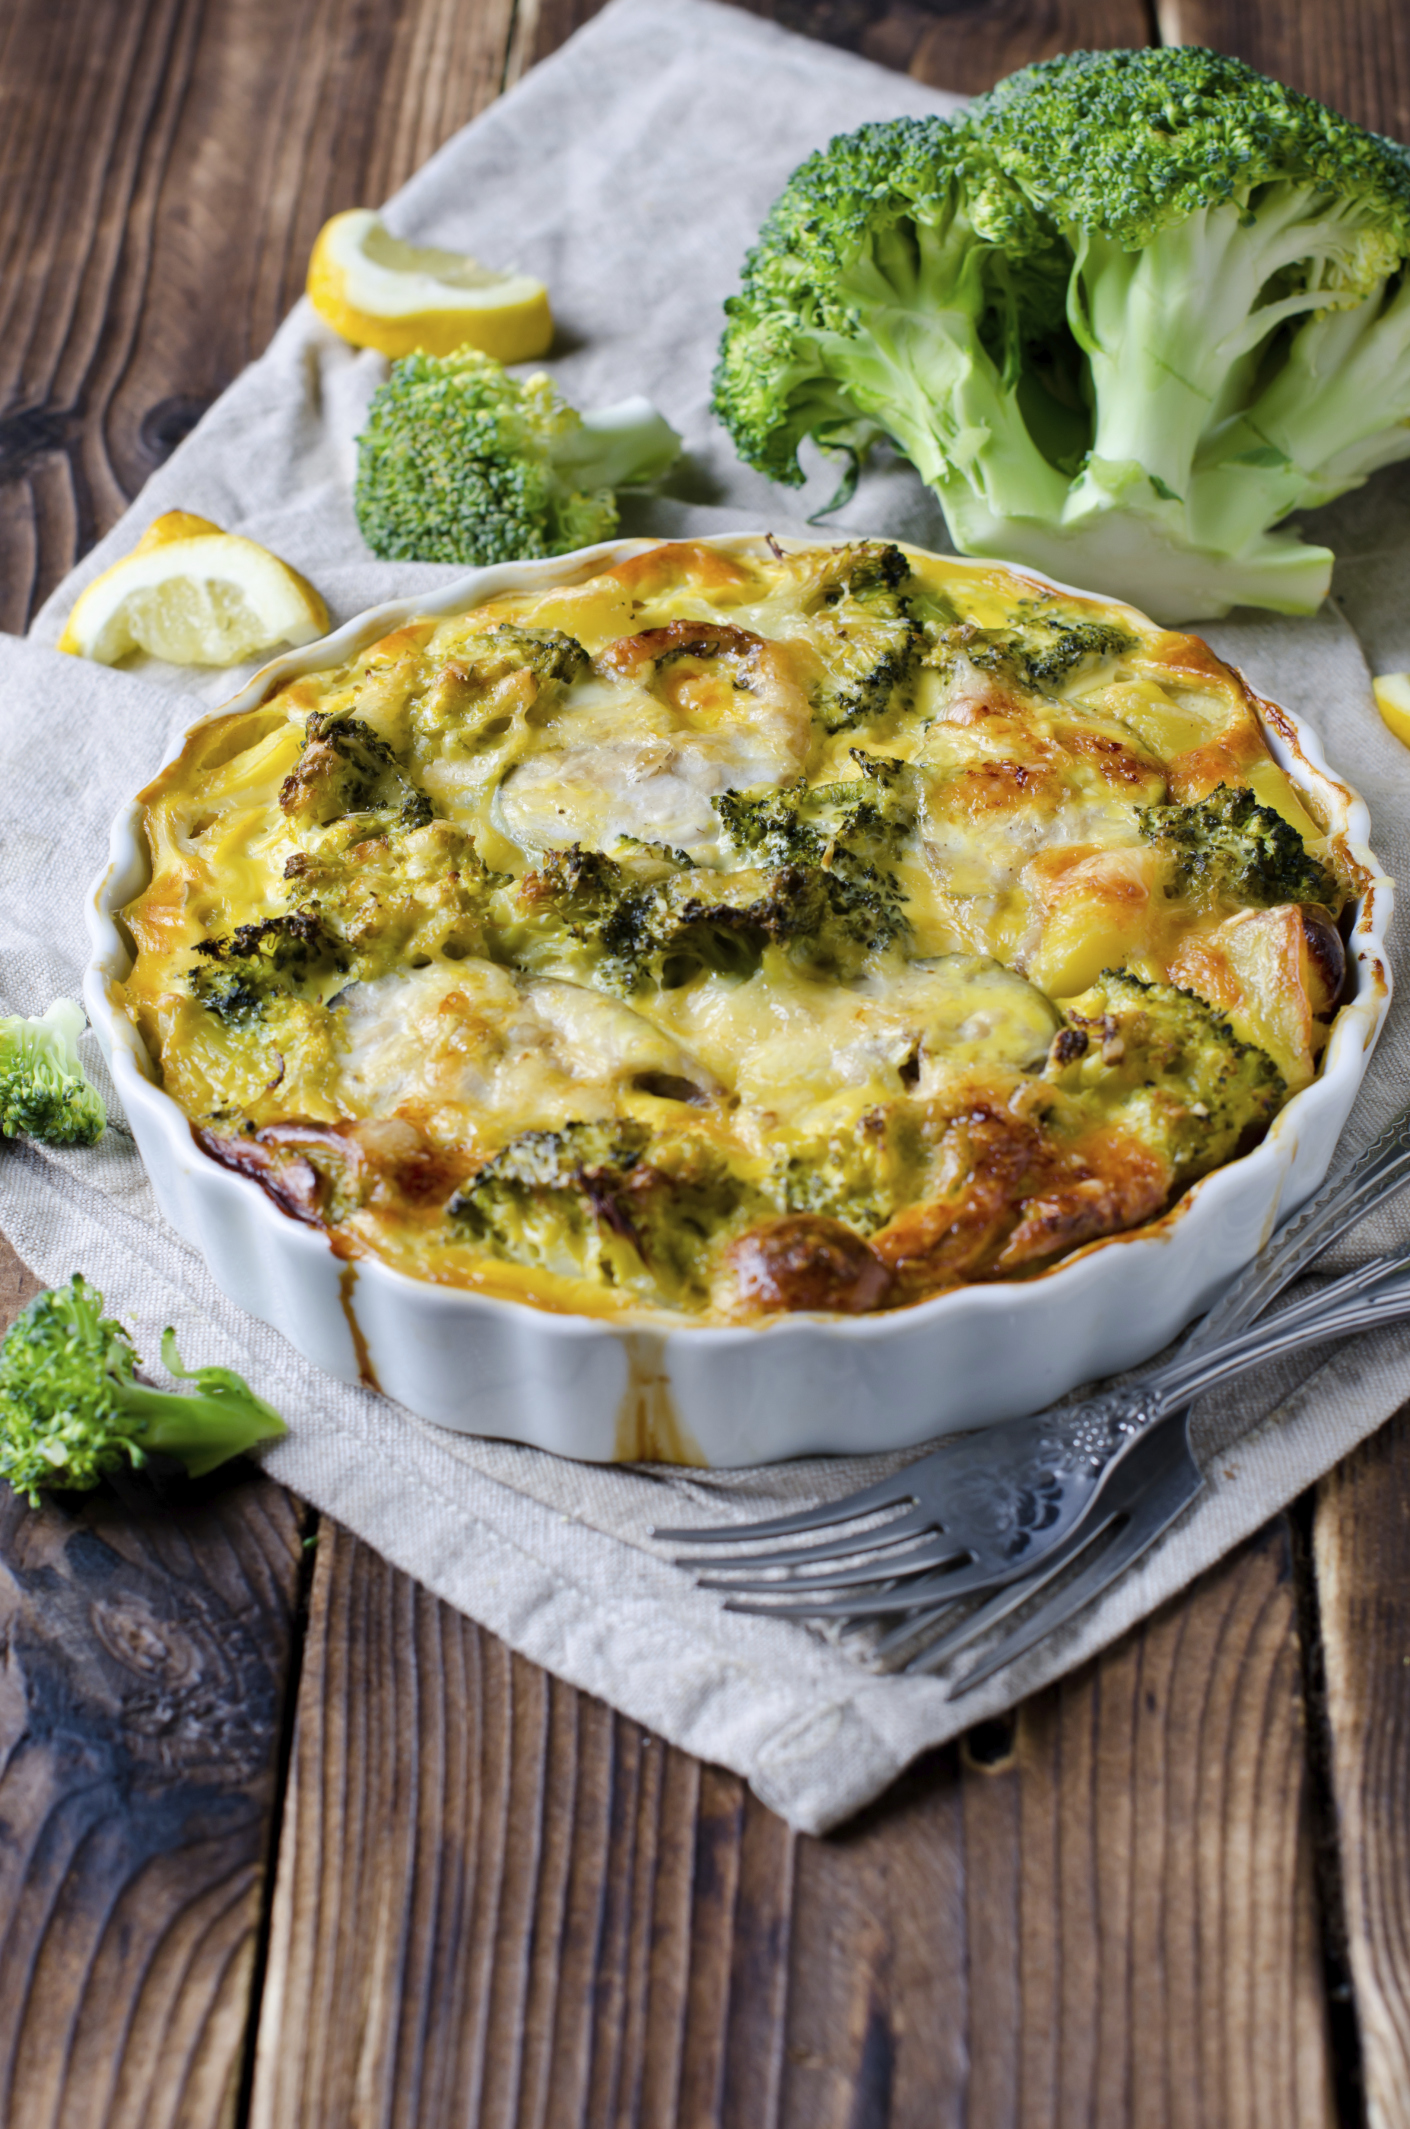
<point>721,1396</point>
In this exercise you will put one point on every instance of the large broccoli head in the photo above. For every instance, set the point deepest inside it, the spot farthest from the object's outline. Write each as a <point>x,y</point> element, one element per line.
<point>460,462</point>
<point>892,291</point>
<point>1151,302</point>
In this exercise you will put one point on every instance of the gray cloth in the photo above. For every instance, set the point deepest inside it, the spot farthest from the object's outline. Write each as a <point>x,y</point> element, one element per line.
<point>631,171</point>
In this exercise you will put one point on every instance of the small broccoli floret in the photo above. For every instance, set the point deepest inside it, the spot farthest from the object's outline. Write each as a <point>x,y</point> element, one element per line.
<point>344,767</point>
<point>871,641</point>
<point>1123,317</point>
<point>611,1200</point>
<point>1227,848</point>
<point>862,1177</point>
<point>1165,1065</point>
<point>511,648</point>
<point>461,462</point>
<point>44,1092</point>
<point>71,1408</point>
<point>240,974</point>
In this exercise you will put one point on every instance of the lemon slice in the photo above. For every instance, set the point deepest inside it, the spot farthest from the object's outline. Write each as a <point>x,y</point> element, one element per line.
<point>193,595</point>
<point>379,292</point>
<point>1392,692</point>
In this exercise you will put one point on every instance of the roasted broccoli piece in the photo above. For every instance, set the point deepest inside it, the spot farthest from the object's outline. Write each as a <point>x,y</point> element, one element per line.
<point>71,1408</point>
<point>1042,648</point>
<point>1227,848</point>
<point>44,1092</point>
<point>1123,316</point>
<point>610,1200</point>
<point>862,1177</point>
<point>1165,1065</point>
<point>239,974</point>
<point>816,882</point>
<point>848,831</point>
<point>461,462</point>
<point>873,645</point>
<point>510,648</point>
<point>664,931</point>
<point>344,767</point>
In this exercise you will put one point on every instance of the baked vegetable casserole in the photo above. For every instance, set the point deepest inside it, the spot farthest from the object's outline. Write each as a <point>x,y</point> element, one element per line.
<point>737,931</point>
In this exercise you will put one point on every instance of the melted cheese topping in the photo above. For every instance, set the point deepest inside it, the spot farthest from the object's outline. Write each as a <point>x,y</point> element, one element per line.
<point>605,945</point>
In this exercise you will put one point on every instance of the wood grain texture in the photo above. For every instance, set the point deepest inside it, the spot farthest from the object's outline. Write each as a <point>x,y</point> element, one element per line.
<point>142,1693</point>
<point>164,168</point>
<point>500,1904</point>
<point>953,44</point>
<point>1362,1552</point>
<point>1352,54</point>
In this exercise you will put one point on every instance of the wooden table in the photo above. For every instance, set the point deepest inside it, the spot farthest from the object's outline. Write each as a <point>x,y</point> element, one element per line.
<point>284,1840</point>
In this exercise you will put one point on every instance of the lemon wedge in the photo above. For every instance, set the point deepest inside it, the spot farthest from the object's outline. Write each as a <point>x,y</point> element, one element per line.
<point>1392,691</point>
<point>379,292</point>
<point>193,595</point>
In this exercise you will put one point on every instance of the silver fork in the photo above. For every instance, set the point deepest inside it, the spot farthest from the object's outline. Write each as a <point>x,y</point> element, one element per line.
<point>985,1509</point>
<point>1159,1402</point>
<point>1150,1485</point>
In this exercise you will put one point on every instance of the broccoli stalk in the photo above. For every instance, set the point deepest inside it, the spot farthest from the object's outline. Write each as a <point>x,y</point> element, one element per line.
<point>1124,316</point>
<point>44,1092</point>
<point>460,462</point>
<point>70,1408</point>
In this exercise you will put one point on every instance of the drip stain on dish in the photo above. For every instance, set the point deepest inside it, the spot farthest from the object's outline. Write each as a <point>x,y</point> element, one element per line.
<point>347,1287</point>
<point>649,1428</point>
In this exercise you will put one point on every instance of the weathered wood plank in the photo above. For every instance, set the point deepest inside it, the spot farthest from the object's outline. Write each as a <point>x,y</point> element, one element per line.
<point>498,1903</point>
<point>164,168</point>
<point>145,1658</point>
<point>965,45</point>
<point>1362,1554</point>
<point>1353,54</point>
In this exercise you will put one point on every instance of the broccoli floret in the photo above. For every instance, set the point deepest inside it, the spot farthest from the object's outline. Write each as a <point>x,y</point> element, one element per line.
<point>869,638</point>
<point>344,767</point>
<point>1041,648</point>
<point>863,1177</point>
<point>44,1092</point>
<point>514,649</point>
<point>891,292</point>
<point>609,1200</point>
<point>1229,340</point>
<point>1165,1065</point>
<point>241,973</point>
<point>665,931</point>
<point>71,1409</point>
<point>817,882</point>
<point>1228,848</point>
<point>460,462</point>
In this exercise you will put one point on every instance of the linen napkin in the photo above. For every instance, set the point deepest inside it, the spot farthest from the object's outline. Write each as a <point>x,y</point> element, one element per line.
<point>631,171</point>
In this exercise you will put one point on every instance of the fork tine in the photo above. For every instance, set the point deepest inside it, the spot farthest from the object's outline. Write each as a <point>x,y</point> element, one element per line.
<point>844,1578</point>
<point>917,1524</point>
<point>1146,1522</point>
<point>856,1610</point>
<point>891,1492</point>
<point>1008,1597</point>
